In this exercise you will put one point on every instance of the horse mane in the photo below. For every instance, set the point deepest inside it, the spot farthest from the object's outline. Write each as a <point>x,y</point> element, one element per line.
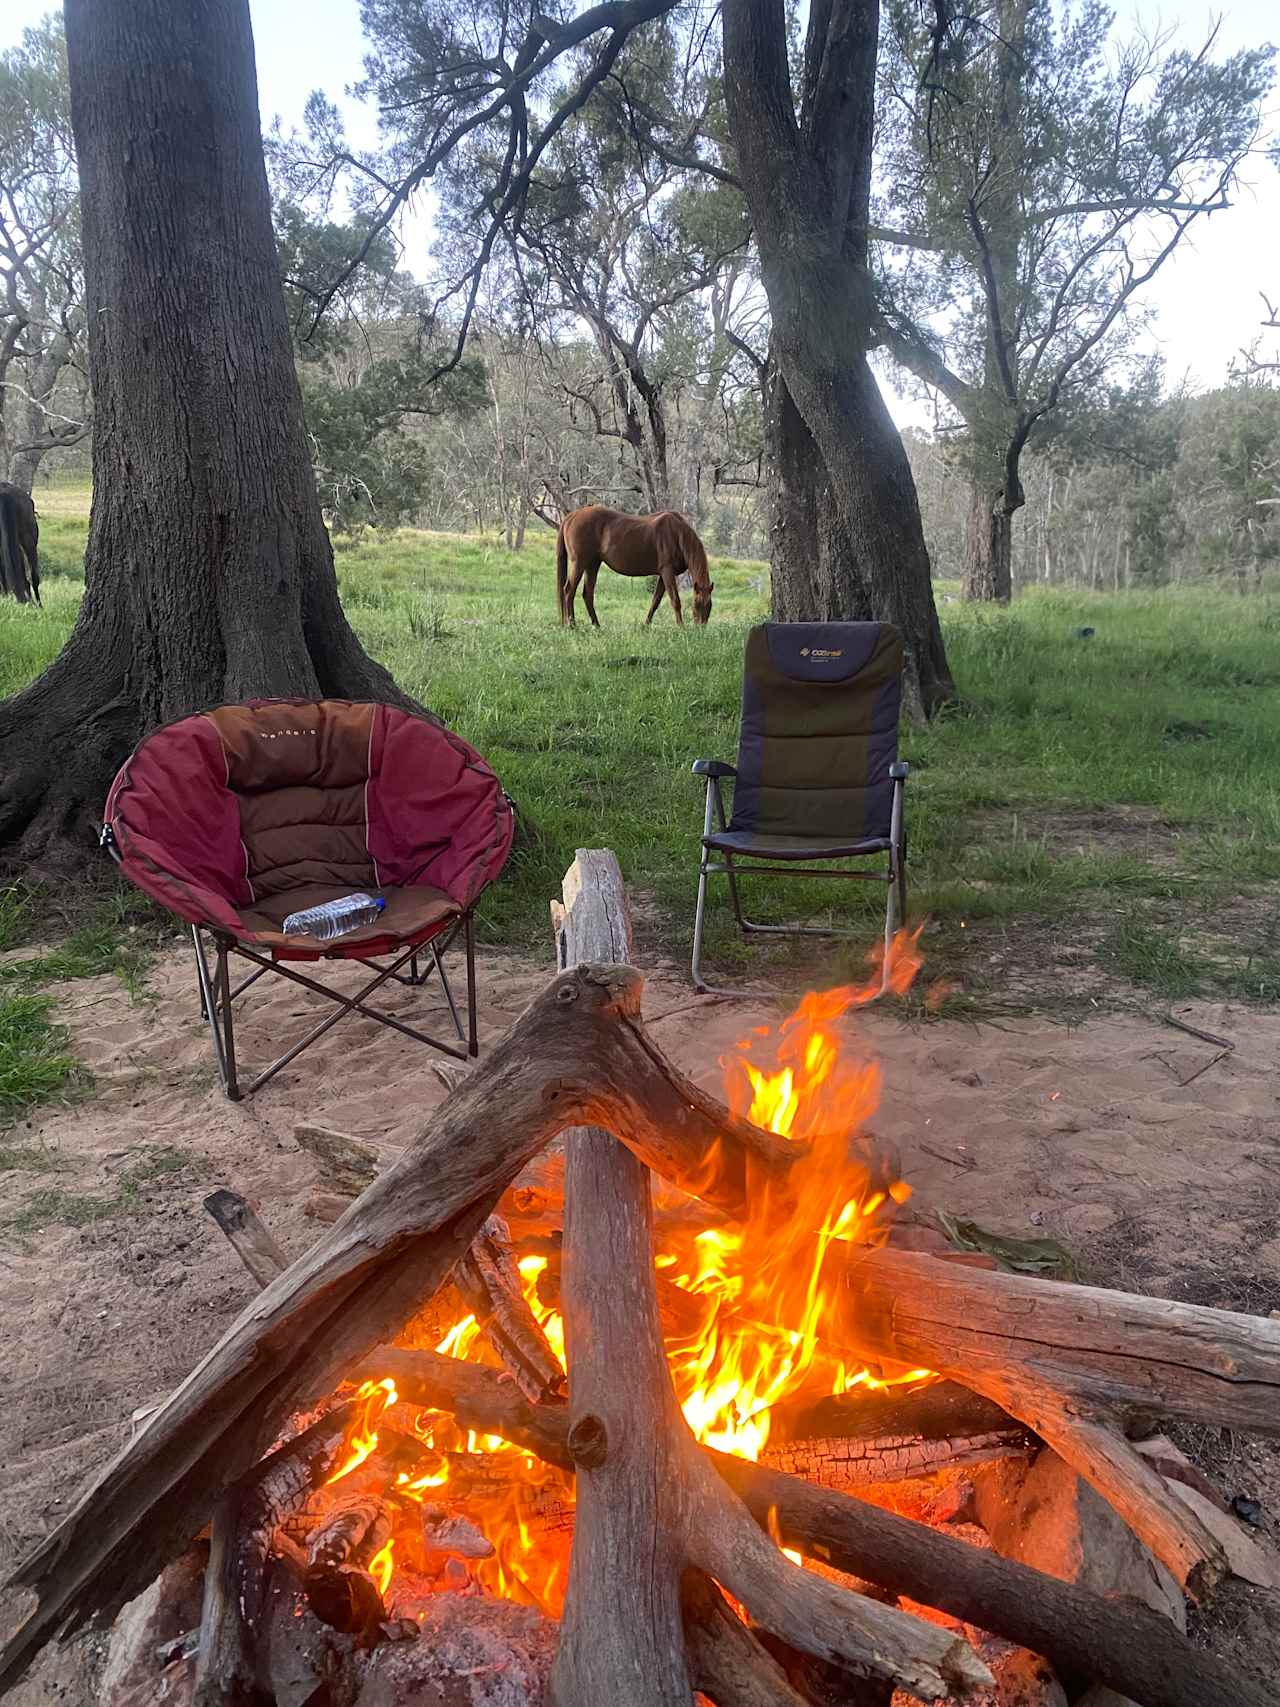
<point>681,534</point>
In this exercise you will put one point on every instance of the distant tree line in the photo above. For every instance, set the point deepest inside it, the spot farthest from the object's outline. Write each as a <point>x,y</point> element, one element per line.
<point>613,342</point>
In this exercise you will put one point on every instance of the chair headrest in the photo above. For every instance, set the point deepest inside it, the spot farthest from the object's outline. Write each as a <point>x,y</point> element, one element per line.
<point>822,651</point>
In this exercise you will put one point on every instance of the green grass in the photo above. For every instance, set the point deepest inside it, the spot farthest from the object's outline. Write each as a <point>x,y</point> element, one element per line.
<point>34,1063</point>
<point>1161,736</point>
<point>52,1206</point>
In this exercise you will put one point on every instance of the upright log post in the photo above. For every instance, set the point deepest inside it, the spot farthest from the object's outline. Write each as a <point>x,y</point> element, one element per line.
<point>622,1633</point>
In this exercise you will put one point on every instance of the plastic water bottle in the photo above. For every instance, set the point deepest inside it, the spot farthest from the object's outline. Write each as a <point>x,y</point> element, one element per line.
<point>335,918</point>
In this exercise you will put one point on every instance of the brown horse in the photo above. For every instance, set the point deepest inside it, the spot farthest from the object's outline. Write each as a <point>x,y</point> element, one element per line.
<point>19,537</point>
<point>663,545</point>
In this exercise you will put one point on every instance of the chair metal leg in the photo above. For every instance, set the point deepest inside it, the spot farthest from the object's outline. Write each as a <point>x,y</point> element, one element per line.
<point>700,910</point>
<point>215,1008</point>
<point>895,912</point>
<point>446,987</point>
<point>469,934</point>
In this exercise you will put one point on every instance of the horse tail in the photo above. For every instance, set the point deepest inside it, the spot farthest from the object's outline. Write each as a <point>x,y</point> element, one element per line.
<point>13,569</point>
<point>562,568</point>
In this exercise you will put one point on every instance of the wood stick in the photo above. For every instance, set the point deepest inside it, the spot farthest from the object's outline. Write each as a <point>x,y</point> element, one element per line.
<point>1138,1492</point>
<point>247,1234</point>
<point>726,1662</point>
<point>487,1277</point>
<point>621,1632</point>
<point>1131,1650</point>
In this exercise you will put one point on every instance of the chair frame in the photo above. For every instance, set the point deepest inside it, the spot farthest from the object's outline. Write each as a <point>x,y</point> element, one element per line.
<point>895,875</point>
<point>217,995</point>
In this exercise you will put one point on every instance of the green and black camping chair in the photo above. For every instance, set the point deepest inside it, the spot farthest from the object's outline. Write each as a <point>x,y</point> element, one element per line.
<point>818,776</point>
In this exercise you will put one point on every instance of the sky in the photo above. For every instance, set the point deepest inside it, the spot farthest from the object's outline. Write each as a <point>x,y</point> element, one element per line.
<point>1206,297</point>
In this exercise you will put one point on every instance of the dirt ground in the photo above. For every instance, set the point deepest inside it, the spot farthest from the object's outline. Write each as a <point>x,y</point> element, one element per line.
<point>1151,1155</point>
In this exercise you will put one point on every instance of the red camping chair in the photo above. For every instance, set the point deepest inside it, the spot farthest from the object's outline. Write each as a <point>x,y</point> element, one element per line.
<point>237,817</point>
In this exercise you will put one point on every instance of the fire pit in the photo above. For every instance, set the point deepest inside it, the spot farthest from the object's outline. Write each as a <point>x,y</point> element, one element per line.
<point>573,1437</point>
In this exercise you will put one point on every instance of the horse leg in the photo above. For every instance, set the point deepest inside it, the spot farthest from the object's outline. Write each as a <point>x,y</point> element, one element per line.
<point>570,593</point>
<point>673,593</point>
<point>658,591</point>
<point>589,593</point>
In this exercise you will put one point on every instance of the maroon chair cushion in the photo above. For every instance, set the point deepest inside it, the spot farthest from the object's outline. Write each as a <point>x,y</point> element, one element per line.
<point>238,816</point>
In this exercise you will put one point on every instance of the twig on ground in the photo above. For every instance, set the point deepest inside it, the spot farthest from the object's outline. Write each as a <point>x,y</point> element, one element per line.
<point>1195,1031</point>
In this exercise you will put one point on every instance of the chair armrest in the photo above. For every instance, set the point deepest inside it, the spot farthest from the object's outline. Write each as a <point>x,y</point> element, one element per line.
<point>713,768</point>
<point>899,770</point>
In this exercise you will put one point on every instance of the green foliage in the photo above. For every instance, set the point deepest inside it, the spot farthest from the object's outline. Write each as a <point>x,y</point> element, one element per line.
<point>1044,170</point>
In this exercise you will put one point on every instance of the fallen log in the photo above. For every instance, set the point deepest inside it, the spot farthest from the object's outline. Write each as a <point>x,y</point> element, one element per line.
<point>1077,1364</point>
<point>1131,1650</point>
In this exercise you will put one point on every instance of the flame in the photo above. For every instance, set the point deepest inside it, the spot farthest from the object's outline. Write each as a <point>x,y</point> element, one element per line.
<point>381,1567</point>
<point>760,1313</point>
<point>363,1439</point>
<point>767,1302</point>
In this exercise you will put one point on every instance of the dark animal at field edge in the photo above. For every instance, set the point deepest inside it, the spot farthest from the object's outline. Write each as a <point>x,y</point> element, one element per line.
<point>663,545</point>
<point>19,537</point>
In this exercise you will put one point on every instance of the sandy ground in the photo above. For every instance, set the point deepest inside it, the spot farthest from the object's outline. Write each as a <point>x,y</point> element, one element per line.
<point>1159,1176</point>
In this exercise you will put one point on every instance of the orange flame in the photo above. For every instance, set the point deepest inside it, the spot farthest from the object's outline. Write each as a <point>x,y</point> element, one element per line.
<point>381,1566</point>
<point>766,1313</point>
<point>363,1439</point>
<point>768,1303</point>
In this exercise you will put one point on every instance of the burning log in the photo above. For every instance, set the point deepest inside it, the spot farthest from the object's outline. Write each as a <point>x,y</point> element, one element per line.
<point>339,1587</point>
<point>1131,1650</point>
<point>489,1282</point>
<point>648,1504</point>
<point>1076,1364</point>
<point>244,1523</point>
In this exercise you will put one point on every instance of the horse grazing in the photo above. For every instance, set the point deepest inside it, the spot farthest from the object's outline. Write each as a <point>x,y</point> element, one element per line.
<point>663,545</point>
<point>19,537</point>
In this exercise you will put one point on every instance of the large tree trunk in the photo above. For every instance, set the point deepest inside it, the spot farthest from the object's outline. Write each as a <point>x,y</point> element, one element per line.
<point>815,569</point>
<point>807,184</point>
<point>988,554</point>
<point>209,575</point>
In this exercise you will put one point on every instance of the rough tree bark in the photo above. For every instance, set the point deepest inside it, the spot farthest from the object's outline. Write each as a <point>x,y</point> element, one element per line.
<point>807,183</point>
<point>209,575</point>
<point>988,549</point>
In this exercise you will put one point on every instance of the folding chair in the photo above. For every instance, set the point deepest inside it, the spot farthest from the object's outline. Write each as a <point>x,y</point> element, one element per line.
<point>237,817</point>
<point>818,775</point>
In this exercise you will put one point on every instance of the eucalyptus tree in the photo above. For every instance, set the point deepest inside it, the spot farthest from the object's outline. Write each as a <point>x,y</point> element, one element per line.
<point>1036,173</point>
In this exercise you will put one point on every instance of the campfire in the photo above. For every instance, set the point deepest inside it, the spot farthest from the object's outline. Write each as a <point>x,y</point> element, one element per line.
<point>527,1414</point>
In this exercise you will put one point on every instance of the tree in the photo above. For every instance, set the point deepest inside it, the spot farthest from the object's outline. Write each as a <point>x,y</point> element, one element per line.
<point>41,317</point>
<point>209,575</point>
<point>847,529</point>
<point>1035,181</point>
<point>847,539</point>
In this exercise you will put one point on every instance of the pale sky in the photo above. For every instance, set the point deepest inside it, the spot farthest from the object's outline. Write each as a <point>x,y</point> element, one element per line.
<point>1206,298</point>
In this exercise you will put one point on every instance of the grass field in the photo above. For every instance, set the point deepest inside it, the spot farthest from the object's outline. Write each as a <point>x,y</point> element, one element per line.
<point>1097,821</point>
